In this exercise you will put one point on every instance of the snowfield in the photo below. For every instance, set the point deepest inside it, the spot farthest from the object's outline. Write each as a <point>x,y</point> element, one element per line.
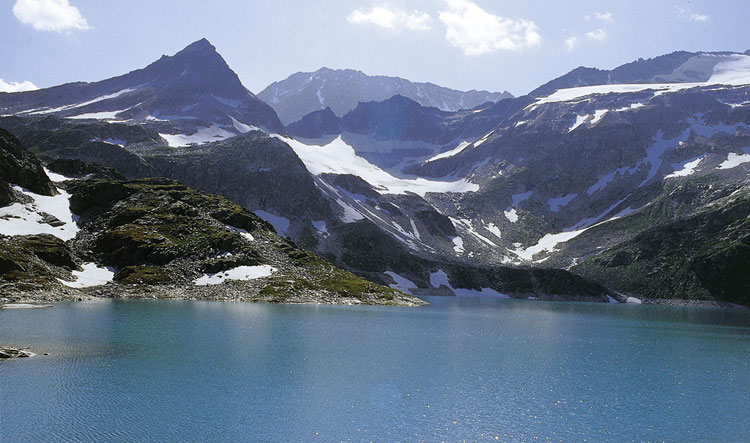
<point>337,157</point>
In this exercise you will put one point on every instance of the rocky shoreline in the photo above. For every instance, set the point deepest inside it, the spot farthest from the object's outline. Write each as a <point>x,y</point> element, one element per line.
<point>229,291</point>
<point>692,303</point>
<point>8,352</point>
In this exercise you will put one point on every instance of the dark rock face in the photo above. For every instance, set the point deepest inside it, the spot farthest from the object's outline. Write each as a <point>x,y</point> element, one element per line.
<point>341,90</point>
<point>19,167</point>
<point>703,255</point>
<point>6,194</point>
<point>253,170</point>
<point>316,124</point>
<point>78,168</point>
<point>352,184</point>
<point>370,252</point>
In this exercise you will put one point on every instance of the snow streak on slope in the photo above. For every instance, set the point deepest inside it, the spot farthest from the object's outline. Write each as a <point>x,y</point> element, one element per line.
<point>461,146</point>
<point>337,157</point>
<point>86,103</point>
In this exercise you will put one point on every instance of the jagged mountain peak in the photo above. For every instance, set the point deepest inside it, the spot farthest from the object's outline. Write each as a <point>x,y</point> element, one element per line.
<point>194,88</point>
<point>199,66</point>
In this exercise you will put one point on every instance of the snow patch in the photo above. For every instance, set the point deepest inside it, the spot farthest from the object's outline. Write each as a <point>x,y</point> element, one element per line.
<point>518,198</point>
<point>440,278</point>
<point>105,115</point>
<point>458,245</point>
<point>91,275</point>
<point>560,202</point>
<point>511,215</point>
<point>686,168</point>
<point>494,230</point>
<point>242,232</point>
<point>598,114</point>
<point>733,160</point>
<point>467,226</point>
<point>580,119</point>
<point>203,135</point>
<point>401,283</point>
<point>243,128</point>
<point>241,273</point>
<point>55,177</point>
<point>280,224</point>
<point>350,214</point>
<point>27,219</point>
<point>320,226</point>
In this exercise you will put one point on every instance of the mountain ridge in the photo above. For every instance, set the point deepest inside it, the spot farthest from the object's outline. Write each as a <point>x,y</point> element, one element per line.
<point>305,92</point>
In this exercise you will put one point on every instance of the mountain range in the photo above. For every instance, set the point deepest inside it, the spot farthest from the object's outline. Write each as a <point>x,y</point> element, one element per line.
<point>621,185</point>
<point>342,90</point>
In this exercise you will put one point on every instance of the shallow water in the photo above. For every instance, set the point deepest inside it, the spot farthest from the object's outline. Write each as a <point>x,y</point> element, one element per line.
<point>461,368</point>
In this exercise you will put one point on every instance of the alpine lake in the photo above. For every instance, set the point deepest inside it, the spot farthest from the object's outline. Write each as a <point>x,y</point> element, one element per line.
<point>459,369</point>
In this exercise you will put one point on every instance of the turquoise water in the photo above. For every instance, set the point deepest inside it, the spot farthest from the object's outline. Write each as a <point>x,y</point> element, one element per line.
<point>461,368</point>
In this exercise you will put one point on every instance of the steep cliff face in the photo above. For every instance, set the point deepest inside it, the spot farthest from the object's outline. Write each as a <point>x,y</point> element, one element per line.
<point>19,167</point>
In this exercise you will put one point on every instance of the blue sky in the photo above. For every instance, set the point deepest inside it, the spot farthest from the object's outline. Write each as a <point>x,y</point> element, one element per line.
<point>513,45</point>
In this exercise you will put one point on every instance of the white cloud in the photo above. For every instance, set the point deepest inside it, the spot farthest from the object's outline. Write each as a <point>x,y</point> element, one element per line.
<point>476,31</point>
<point>690,15</point>
<point>16,86</point>
<point>604,16</point>
<point>49,15</point>
<point>391,18</point>
<point>570,43</point>
<point>598,35</point>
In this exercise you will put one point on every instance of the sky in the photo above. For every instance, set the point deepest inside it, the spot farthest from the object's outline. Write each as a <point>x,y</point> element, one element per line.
<point>496,45</point>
